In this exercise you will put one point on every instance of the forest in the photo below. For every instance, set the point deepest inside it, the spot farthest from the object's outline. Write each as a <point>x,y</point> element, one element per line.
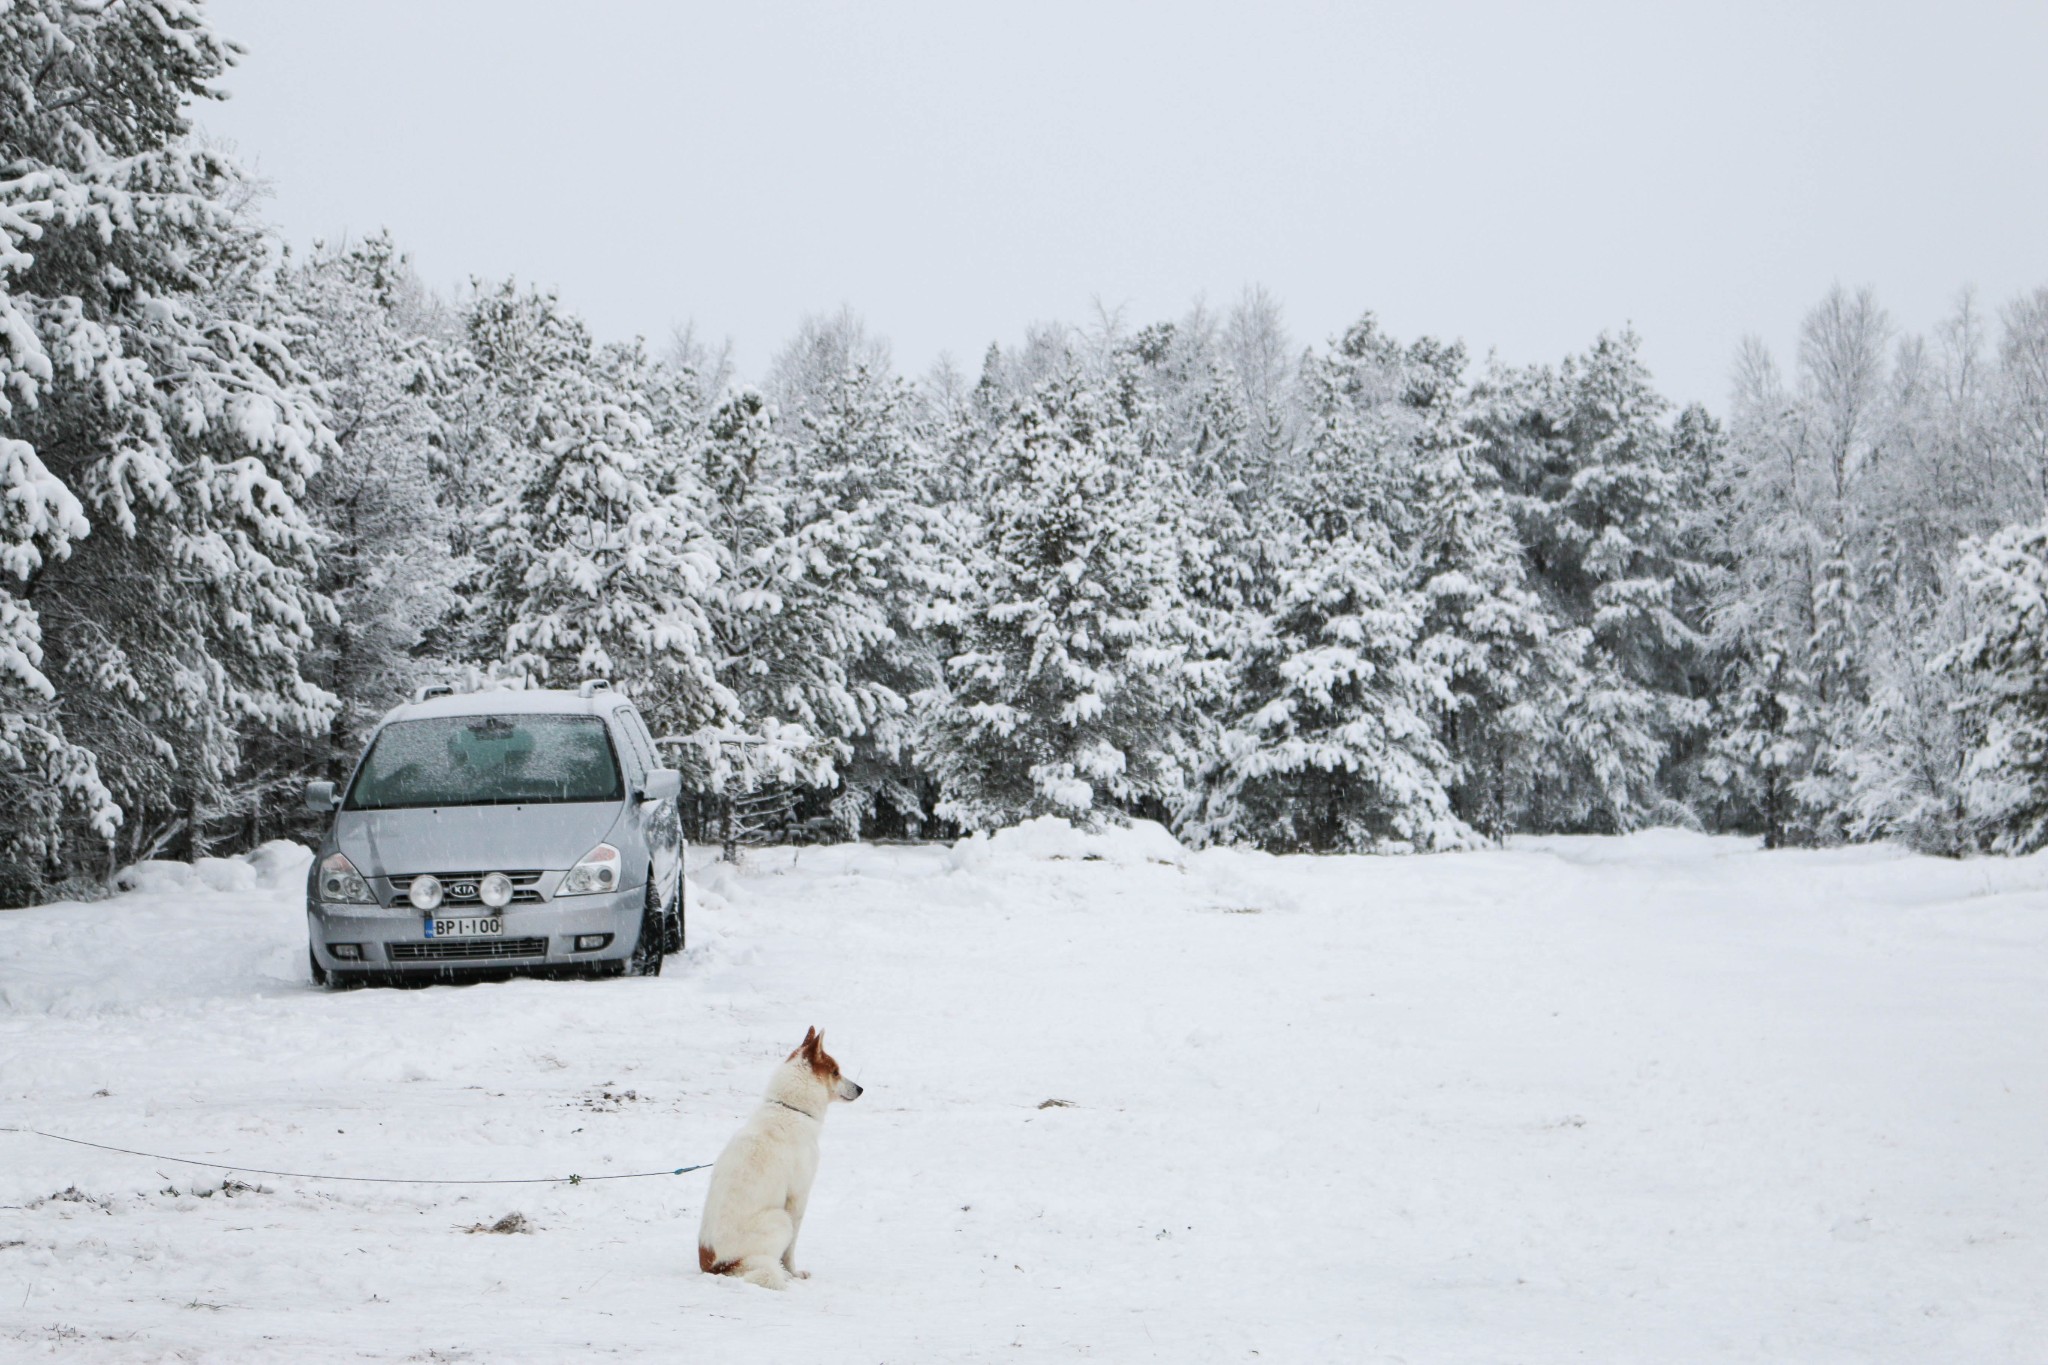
<point>1358,593</point>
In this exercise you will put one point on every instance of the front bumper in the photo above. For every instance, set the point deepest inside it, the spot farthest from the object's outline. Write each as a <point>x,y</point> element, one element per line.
<point>393,939</point>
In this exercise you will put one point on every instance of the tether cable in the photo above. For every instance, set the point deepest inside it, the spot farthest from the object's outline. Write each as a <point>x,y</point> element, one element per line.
<point>359,1179</point>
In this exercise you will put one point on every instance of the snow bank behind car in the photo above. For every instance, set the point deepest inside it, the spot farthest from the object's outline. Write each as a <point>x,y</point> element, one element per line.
<point>278,863</point>
<point>1049,837</point>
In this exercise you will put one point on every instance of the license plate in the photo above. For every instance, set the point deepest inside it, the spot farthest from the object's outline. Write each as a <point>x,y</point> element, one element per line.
<point>478,926</point>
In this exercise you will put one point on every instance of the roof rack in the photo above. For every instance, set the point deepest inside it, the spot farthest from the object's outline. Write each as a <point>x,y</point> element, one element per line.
<point>434,690</point>
<point>592,686</point>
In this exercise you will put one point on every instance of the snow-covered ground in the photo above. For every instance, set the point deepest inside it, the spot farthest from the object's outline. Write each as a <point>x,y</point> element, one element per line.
<point>1663,1098</point>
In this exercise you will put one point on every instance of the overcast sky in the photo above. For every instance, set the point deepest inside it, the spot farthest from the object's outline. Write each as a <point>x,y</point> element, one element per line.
<point>1519,176</point>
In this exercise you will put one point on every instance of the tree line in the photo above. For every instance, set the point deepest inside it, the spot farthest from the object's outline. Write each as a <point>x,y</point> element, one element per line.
<point>1360,595</point>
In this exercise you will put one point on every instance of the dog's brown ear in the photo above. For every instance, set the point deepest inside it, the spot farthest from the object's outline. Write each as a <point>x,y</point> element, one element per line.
<point>811,1041</point>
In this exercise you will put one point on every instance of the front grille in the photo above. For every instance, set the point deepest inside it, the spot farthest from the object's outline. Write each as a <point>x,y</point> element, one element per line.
<point>467,949</point>
<point>525,887</point>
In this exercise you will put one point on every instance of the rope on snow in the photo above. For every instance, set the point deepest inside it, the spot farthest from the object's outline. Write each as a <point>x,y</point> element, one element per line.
<point>360,1179</point>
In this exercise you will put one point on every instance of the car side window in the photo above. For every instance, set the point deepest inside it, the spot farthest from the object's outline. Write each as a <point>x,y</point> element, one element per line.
<point>646,739</point>
<point>631,745</point>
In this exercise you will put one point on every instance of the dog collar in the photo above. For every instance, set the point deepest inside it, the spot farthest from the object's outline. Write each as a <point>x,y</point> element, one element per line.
<point>794,1110</point>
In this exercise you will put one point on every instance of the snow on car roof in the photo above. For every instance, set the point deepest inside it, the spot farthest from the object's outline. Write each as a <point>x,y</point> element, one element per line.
<point>509,701</point>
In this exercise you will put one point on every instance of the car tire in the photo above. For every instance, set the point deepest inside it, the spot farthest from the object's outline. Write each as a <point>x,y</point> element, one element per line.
<point>321,976</point>
<point>677,929</point>
<point>648,949</point>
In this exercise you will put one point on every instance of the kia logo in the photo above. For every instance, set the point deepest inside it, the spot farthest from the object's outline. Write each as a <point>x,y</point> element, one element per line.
<point>462,891</point>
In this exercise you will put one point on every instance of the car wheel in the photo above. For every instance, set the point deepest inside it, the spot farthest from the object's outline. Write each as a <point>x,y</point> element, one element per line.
<point>676,927</point>
<point>320,973</point>
<point>648,948</point>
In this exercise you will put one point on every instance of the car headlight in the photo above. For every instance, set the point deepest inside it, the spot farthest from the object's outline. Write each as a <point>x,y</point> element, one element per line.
<point>340,884</point>
<point>424,892</point>
<point>597,870</point>
<point>495,890</point>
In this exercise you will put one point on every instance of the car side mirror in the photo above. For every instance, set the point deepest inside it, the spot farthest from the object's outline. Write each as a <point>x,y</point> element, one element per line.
<point>663,784</point>
<point>321,796</point>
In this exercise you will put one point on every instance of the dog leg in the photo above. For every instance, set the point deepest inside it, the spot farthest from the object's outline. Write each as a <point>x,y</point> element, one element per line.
<point>795,1209</point>
<point>772,1232</point>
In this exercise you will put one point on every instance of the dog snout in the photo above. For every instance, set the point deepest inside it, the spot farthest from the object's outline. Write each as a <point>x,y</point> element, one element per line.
<point>849,1091</point>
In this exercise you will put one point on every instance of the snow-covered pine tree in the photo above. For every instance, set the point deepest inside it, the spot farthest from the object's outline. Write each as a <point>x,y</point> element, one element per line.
<point>2003,662</point>
<point>599,560</point>
<point>1699,467</point>
<point>150,396</point>
<point>828,553</point>
<point>41,770</point>
<point>1061,698</point>
<point>519,347</point>
<point>875,545</point>
<point>1764,729</point>
<point>1586,463</point>
<point>767,651</point>
<point>367,326</point>
<point>1836,664</point>
<point>1506,670</point>
<point>1336,741</point>
<point>1761,745</point>
<point>1228,554</point>
<point>1846,425</point>
<point>1339,749</point>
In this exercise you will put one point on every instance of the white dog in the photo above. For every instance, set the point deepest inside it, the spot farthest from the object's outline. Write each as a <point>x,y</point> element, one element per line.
<point>763,1177</point>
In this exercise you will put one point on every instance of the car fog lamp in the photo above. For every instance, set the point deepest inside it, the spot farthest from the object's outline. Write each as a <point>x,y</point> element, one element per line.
<point>351,952</point>
<point>495,890</point>
<point>425,891</point>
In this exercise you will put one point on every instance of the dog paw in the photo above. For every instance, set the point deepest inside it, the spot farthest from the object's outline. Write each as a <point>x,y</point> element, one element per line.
<point>799,1274</point>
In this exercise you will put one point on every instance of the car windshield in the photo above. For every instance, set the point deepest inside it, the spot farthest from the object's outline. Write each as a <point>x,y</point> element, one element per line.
<point>487,761</point>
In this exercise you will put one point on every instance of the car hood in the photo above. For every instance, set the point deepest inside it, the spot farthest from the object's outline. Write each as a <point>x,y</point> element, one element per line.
<point>397,843</point>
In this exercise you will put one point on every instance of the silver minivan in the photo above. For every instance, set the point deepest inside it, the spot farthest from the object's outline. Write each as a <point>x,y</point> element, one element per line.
<point>499,830</point>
